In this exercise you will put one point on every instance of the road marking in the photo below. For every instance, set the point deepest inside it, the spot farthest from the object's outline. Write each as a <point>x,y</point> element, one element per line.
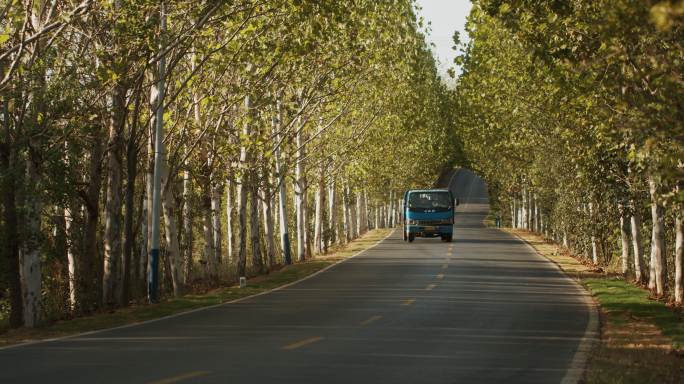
<point>372,319</point>
<point>450,249</point>
<point>451,245</point>
<point>448,253</point>
<point>429,287</point>
<point>409,301</point>
<point>445,266</point>
<point>440,276</point>
<point>448,258</point>
<point>182,377</point>
<point>305,342</point>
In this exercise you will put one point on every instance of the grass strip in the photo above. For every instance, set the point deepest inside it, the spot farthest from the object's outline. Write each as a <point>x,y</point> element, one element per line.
<point>174,305</point>
<point>641,338</point>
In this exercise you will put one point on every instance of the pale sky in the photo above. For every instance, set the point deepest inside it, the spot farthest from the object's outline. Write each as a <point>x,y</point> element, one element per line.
<point>446,16</point>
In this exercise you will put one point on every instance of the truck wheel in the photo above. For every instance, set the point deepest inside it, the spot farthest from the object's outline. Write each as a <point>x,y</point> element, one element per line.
<point>450,237</point>
<point>411,237</point>
<point>405,232</point>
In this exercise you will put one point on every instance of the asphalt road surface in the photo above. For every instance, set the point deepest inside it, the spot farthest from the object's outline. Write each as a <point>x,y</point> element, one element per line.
<point>484,308</point>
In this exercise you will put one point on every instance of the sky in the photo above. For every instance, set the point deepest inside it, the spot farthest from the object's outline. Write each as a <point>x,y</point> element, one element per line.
<point>446,16</point>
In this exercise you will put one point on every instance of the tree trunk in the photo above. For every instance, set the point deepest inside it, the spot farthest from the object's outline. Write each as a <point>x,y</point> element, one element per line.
<point>360,224</point>
<point>187,225</point>
<point>172,246</point>
<point>307,233</point>
<point>318,233</point>
<point>679,258</point>
<point>268,223</point>
<point>594,245</point>
<point>624,236</point>
<point>332,212</point>
<point>112,258</point>
<point>230,222</point>
<point>216,217</point>
<point>129,237</point>
<point>639,274</point>
<point>300,197</point>
<point>657,271</point>
<point>257,259</point>
<point>242,191</point>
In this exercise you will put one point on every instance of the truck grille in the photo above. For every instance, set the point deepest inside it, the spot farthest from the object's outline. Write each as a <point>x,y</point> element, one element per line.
<point>428,222</point>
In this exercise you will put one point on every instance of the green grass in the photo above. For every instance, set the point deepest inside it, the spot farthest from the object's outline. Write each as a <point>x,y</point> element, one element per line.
<point>174,305</point>
<point>620,298</point>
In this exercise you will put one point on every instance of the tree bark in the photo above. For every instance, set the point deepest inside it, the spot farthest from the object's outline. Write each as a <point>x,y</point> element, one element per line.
<point>636,240</point>
<point>360,223</point>
<point>320,201</point>
<point>172,246</point>
<point>112,263</point>
<point>230,222</point>
<point>257,259</point>
<point>594,245</point>
<point>129,237</point>
<point>268,223</point>
<point>301,199</point>
<point>658,269</point>
<point>624,236</point>
<point>216,217</point>
<point>187,225</point>
<point>242,191</point>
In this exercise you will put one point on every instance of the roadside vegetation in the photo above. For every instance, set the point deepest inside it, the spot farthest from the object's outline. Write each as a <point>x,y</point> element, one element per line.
<point>201,298</point>
<point>275,131</point>
<point>580,104</point>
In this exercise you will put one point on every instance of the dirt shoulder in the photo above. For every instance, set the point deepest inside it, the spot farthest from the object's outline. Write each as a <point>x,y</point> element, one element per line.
<point>641,337</point>
<point>174,305</point>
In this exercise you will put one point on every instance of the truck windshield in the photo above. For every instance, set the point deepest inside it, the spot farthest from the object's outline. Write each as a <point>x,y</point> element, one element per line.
<point>422,201</point>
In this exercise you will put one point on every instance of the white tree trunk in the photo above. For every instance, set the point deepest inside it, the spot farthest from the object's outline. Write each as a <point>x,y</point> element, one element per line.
<point>71,256</point>
<point>172,246</point>
<point>352,219</point>
<point>254,225</point>
<point>624,236</point>
<point>242,191</point>
<point>230,222</point>
<point>187,225</point>
<point>332,201</point>
<point>345,213</point>
<point>594,244</point>
<point>307,234</point>
<point>142,271</point>
<point>636,241</point>
<point>216,218</point>
<point>658,269</point>
<point>360,225</point>
<point>524,209</point>
<point>318,225</point>
<point>301,202</point>
<point>268,224</point>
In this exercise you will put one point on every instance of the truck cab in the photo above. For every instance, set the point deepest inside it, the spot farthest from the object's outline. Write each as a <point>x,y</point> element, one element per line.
<point>429,213</point>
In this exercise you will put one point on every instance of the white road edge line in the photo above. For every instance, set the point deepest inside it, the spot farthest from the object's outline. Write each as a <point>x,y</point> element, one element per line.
<point>198,309</point>
<point>578,366</point>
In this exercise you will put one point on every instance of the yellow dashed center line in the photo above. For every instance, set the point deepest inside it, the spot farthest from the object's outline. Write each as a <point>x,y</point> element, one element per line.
<point>445,266</point>
<point>448,253</point>
<point>429,287</point>
<point>409,301</point>
<point>451,245</point>
<point>372,319</point>
<point>450,249</point>
<point>440,276</point>
<point>448,258</point>
<point>305,342</point>
<point>182,377</point>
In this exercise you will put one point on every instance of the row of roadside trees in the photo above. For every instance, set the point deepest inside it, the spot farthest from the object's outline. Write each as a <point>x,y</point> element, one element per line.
<point>288,129</point>
<point>580,103</point>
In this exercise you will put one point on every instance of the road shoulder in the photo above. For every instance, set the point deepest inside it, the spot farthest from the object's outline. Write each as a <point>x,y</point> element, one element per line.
<point>639,336</point>
<point>174,306</point>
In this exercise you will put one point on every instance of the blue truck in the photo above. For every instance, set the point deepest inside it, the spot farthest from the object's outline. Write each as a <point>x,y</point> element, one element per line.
<point>429,213</point>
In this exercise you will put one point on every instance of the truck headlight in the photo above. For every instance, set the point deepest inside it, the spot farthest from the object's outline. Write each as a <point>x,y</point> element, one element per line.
<point>448,221</point>
<point>411,222</point>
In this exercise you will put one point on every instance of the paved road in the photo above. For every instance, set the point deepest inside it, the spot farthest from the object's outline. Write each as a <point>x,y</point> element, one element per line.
<point>482,309</point>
